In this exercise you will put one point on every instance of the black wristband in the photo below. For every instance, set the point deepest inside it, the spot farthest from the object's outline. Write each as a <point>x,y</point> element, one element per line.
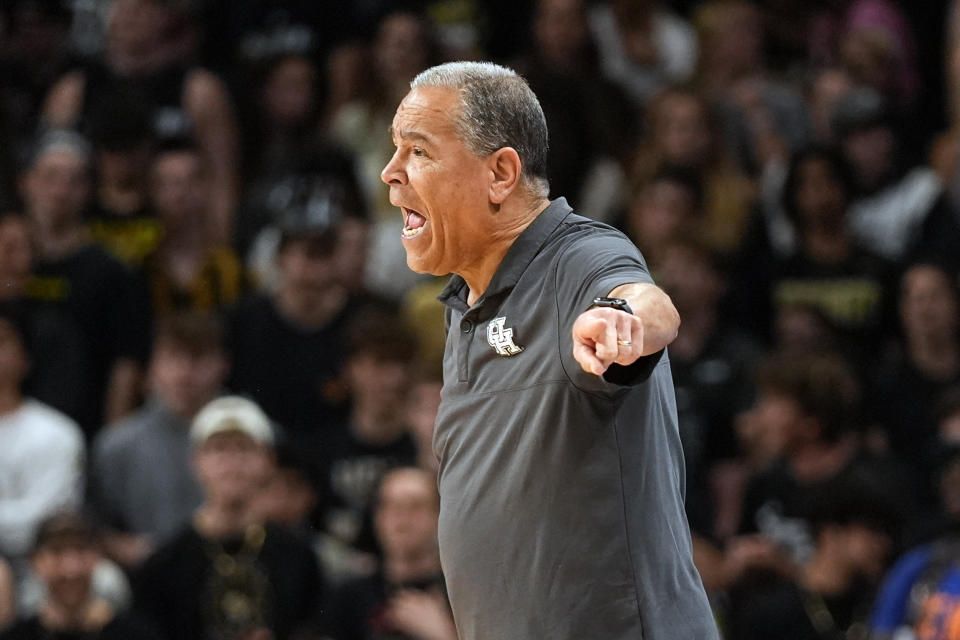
<point>612,303</point>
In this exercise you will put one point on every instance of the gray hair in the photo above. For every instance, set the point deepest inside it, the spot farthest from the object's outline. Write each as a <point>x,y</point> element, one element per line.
<point>497,109</point>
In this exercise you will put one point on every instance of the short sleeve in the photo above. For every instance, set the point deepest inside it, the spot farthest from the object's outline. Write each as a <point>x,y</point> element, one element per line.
<point>598,260</point>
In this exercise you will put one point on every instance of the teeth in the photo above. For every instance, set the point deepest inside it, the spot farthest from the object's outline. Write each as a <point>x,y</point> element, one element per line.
<point>409,233</point>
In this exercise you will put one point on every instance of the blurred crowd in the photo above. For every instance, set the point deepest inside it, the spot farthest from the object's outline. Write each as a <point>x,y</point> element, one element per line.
<point>218,379</point>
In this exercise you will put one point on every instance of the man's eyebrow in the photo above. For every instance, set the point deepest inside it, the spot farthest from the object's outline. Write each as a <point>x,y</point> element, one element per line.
<point>407,134</point>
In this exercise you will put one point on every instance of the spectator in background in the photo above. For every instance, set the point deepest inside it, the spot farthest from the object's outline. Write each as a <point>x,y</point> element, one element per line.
<point>422,406</point>
<point>830,271</point>
<point>406,598</point>
<point>920,597</point>
<point>643,46</point>
<point>16,255</point>
<point>599,123</point>
<point>121,219</point>
<point>666,208</point>
<point>710,361</point>
<point>762,118</point>
<point>830,595</point>
<point>229,573</point>
<point>144,62</point>
<point>287,346</point>
<point>188,270</point>
<point>91,367</point>
<point>41,450</point>
<point>404,44</point>
<point>681,130</point>
<point>8,606</point>
<point>282,117</point>
<point>376,436</point>
<point>806,409</point>
<point>142,485</point>
<point>924,364</point>
<point>898,209</point>
<point>65,554</point>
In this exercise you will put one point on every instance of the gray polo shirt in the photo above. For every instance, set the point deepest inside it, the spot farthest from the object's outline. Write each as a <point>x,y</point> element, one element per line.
<point>561,492</point>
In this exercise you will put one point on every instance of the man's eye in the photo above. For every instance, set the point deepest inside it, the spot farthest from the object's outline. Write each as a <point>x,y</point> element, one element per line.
<point>417,151</point>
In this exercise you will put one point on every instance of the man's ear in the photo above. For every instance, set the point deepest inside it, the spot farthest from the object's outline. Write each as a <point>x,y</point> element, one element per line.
<point>505,171</point>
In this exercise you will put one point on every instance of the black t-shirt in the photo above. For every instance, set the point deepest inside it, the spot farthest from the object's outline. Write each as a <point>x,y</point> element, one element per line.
<point>905,401</point>
<point>354,471</point>
<point>95,312</point>
<point>131,238</point>
<point>769,606</point>
<point>711,389</point>
<point>852,295</point>
<point>197,589</point>
<point>356,610</point>
<point>122,627</point>
<point>291,372</point>
<point>780,506</point>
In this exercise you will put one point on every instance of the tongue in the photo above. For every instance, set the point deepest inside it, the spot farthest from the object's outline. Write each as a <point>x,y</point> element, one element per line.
<point>415,220</point>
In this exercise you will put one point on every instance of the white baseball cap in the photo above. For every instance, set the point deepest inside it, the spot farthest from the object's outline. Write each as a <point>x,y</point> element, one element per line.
<point>232,413</point>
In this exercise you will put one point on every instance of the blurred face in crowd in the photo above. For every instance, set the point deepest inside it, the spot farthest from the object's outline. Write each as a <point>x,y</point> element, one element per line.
<point>769,428</point>
<point>14,361</point>
<point>66,568</point>
<point>928,305</point>
<point>659,212</point>
<point>16,256</point>
<point>186,379</point>
<point>689,278</point>
<point>440,186</point>
<point>231,467</point>
<point>378,382</point>
<point>682,130</point>
<point>401,48</point>
<point>124,168</point>
<point>406,513</point>
<point>287,498</point>
<point>560,29</point>
<point>352,253</point>
<point>308,265</point>
<point>56,188</point>
<point>137,26</point>
<point>864,549</point>
<point>733,36</point>
<point>828,87</point>
<point>178,188</point>
<point>290,92</point>
<point>820,197</point>
<point>422,410</point>
<point>870,154</point>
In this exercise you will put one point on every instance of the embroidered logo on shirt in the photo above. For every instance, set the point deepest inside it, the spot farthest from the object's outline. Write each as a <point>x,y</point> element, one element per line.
<point>501,339</point>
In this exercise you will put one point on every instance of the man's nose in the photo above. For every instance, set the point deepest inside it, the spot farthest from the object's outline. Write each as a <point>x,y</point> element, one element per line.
<point>393,173</point>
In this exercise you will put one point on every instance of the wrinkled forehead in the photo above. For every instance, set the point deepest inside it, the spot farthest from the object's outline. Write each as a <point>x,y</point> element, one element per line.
<point>426,113</point>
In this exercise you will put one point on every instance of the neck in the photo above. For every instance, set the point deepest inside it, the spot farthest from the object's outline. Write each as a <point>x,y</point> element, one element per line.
<point>827,243</point>
<point>374,425</point>
<point>58,240</point>
<point>310,310</point>
<point>10,400</point>
<point>817,460</point>
<point>479,274</point>
<point>419,564</point>
<point>223,520</point>
<point>119,198</point>
<point>89,615</point>
<point>825,575</point>
<point>937,356</point>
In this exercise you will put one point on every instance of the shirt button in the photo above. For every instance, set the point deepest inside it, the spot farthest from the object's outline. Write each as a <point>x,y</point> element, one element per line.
<point>466,326</point>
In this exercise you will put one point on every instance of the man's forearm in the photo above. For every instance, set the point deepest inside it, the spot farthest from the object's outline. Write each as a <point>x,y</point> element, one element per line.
<point>654,307</point>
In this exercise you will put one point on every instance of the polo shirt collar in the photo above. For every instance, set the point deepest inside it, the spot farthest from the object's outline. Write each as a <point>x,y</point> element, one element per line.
<point>518,257</point>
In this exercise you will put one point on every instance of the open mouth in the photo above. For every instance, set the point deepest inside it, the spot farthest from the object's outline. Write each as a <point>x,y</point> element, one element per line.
<point>413,223</point>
